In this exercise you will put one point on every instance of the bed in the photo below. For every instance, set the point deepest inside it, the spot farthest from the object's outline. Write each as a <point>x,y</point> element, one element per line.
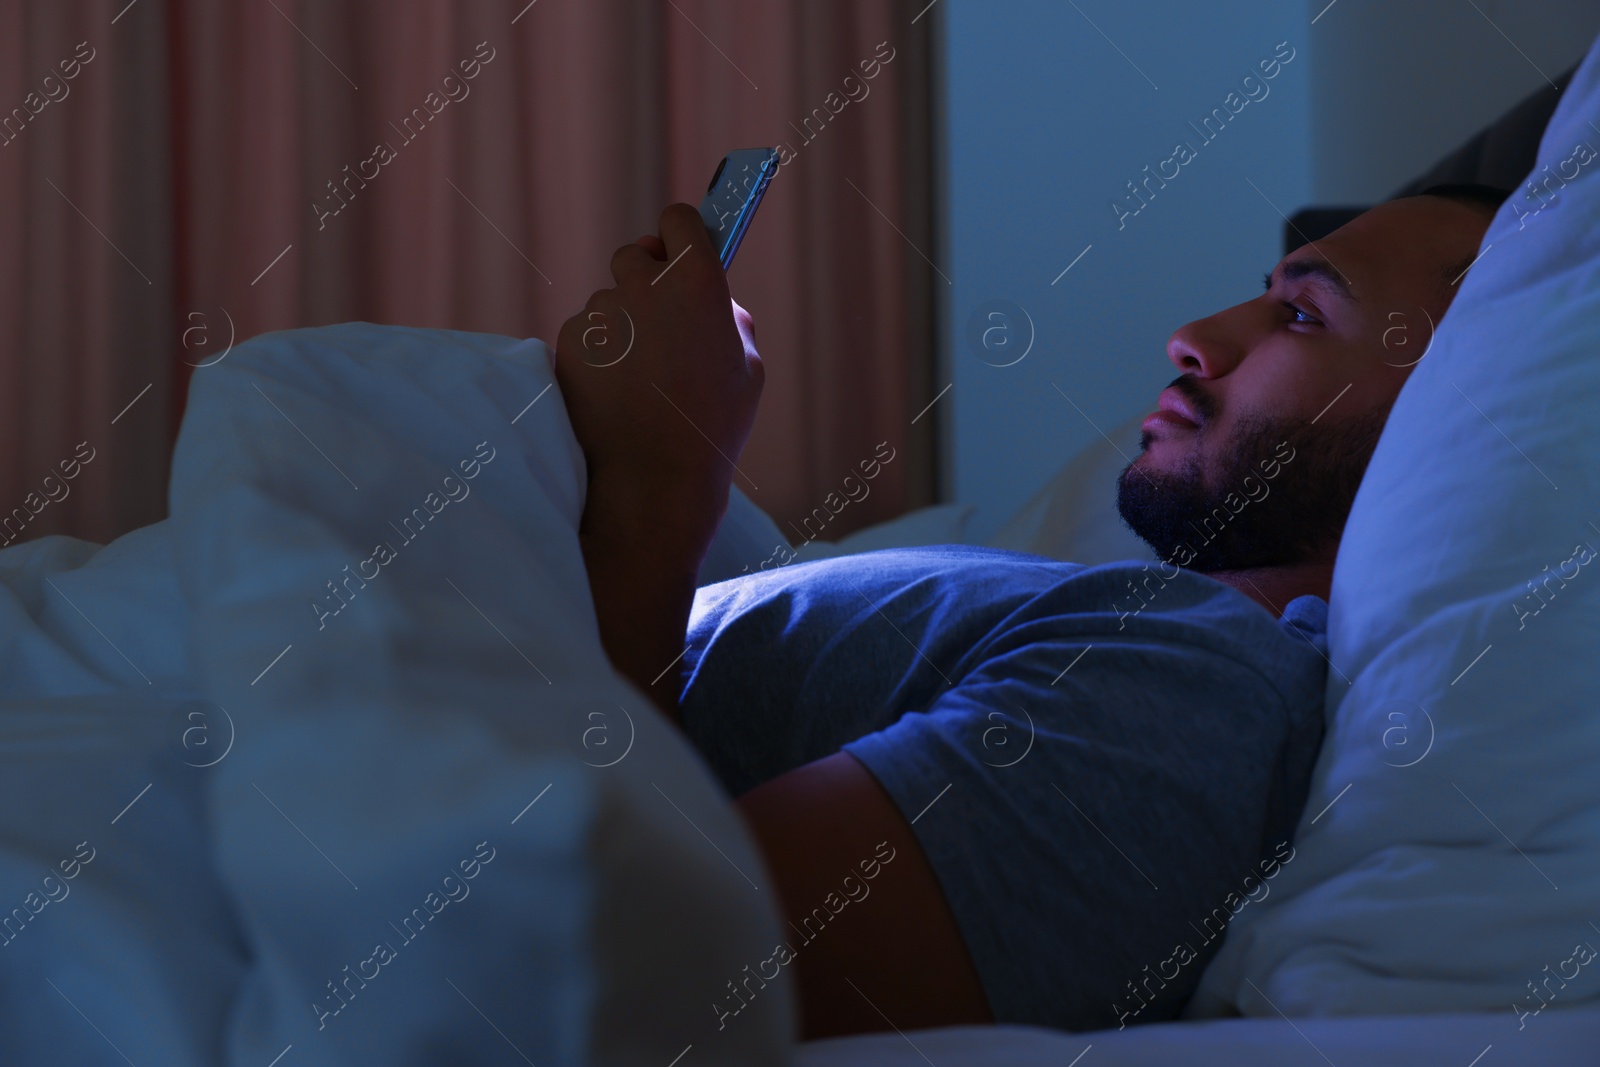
<point>1457,1040</point>
<point>329,767</point>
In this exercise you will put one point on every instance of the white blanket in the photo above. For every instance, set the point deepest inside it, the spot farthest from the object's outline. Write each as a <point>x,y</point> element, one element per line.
<point>330,764</point>
<point>1559,1039</point>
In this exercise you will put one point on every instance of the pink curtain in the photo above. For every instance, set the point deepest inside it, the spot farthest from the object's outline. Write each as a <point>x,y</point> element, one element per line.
<point>224,169</point>
<point>86,370</point>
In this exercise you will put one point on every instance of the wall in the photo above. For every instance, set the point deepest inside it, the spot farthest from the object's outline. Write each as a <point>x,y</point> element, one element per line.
<point>1047,116</point>
<point>1396,86</point>
<point>1046,121</point>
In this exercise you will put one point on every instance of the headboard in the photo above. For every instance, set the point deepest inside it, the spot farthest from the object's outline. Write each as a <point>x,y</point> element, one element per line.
<point>1502,154</point>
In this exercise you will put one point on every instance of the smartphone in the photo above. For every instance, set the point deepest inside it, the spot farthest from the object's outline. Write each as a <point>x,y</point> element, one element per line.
<point>741,179</point>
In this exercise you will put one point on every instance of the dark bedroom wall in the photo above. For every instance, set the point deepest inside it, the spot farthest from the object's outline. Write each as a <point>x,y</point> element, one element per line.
<point>1395,86</point>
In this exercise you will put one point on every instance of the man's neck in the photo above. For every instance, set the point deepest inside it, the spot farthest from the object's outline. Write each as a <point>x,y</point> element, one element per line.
<point>1274,587</point>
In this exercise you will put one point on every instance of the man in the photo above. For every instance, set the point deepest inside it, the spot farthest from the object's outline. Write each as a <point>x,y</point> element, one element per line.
<point>991,786</point>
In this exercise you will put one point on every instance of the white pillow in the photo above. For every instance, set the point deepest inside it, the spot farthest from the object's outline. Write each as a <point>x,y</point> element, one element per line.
<point>746,538</point>
<point>1449,856</point>
<point>749,541</point>
<point>1072,517</point>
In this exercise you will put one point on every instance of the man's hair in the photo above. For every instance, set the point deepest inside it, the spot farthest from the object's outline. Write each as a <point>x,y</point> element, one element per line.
<point>1483,199</point>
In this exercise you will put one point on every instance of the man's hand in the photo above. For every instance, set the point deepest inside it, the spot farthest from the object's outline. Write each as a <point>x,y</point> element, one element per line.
<point>661,380</point>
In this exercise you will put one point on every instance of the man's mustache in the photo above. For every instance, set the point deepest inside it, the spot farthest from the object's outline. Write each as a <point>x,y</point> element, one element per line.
<point>1204,404</point>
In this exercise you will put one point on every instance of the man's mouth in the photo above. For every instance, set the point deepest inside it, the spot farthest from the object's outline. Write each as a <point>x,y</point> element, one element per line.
<point>1173,410</point>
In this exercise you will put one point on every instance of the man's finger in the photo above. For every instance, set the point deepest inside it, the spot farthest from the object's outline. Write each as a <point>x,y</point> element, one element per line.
<point>746,323</point>
<point>633,259</point>
<point>652,244</point>
<point>569,345</point>
<point>683,228</point>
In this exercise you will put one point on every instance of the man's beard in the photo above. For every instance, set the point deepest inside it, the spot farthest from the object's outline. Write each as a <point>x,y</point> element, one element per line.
<point>1293,517</point>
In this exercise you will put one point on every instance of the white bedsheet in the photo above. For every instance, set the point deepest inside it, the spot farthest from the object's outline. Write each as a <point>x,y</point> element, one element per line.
<point>1552,1039</point>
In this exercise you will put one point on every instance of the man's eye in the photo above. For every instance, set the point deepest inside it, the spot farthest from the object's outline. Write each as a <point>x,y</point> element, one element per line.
<point>1302,316</point>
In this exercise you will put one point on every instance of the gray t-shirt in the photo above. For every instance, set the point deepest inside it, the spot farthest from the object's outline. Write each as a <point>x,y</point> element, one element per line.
<point>1102,764</point>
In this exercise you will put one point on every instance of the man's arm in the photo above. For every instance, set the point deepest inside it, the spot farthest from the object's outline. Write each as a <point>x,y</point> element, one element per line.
<point>643,564</point>
<point>659,426</point>
<point>891,958</point>
<point>660,430</point>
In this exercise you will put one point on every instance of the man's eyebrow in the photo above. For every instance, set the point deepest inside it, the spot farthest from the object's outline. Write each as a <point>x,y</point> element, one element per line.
<point>1321,269</point>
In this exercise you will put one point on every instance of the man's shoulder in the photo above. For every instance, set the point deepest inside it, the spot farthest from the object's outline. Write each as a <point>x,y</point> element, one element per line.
<point>1127,598</point>
<point>1151,619</point>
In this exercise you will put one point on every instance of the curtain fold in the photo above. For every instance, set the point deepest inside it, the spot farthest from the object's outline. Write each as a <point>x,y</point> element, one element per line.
<point>469,164</point>
<point>85,269</point>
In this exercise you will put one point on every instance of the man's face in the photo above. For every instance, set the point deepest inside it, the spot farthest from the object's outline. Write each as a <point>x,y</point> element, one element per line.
<point>1257,448</point>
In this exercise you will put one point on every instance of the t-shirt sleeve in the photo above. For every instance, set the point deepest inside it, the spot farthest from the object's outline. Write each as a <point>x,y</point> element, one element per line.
<point>1096,807</point>
<point>1102,764</point>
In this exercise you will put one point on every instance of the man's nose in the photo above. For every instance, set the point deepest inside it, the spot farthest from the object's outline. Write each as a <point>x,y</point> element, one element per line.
<point>1209,347</point>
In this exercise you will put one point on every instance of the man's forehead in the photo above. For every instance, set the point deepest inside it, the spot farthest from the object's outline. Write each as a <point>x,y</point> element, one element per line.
<point>1397,245</point>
